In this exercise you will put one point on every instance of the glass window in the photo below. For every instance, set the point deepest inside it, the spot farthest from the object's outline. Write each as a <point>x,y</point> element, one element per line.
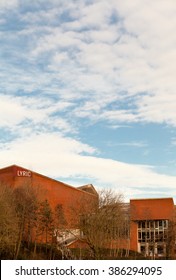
<point>161,236</point>
<point>152,224</point>
<point>152,237</point>
<point>156,224</point>
<point>143,224</point>
<point>148,235</point>
<point>165,236</point>
<point>143,249</point>
<point>139,235</point>
<point>139,224</point>
<point>148,224</point>
<point>156,236</point>
<point>151,249</point>
<point>143,236</point>
<point>160,250</point>
<point>165,223</point>
<point>160,224</point>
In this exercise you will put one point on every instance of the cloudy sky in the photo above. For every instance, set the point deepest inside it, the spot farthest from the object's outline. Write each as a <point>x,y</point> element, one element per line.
<point>87,92</point>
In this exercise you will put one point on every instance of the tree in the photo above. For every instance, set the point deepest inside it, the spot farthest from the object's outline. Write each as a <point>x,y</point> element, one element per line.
<point>171,238</point>
<point>60,222</point>
<point>105,227</point>
<point>26,220</point>
<point>8,223</point>
<point>46,221</point>
<point>26,204</point>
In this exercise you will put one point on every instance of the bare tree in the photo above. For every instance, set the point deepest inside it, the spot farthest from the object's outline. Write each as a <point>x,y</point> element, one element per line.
<point>46,221</point>
<point>26,204</point>
<point>8,222</point>
<point>60,222</point>
<point>105,227</point>
<point>171,238</point>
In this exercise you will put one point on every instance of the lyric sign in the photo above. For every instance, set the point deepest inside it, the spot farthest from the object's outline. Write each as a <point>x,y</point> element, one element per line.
<point>24,173</point>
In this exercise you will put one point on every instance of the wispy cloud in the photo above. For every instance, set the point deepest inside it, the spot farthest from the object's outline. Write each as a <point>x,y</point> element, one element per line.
<point>58,156</point>
<point>106,55</point>
<point>9,4</point>
<point>129,144</point>
<point>100,62</point>
<point>25,113</point>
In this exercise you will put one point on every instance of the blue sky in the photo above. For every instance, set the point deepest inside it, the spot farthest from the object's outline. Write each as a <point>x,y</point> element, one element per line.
<point>87,92</point>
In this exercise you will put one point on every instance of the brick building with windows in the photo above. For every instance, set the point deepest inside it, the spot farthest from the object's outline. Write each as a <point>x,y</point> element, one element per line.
<point>151,220</point>
<point>151,226</point>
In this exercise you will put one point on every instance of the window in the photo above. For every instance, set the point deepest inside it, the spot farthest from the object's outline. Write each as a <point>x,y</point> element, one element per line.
<point>160,224</point>
<point>165,236</point>
<point>139,224</point>
<point>156,236</point>
<point>160,250</point>
<point>148,235</point>
<point>139,235</point>
<point>156,224</point>
<point>152,239</point>
<point>143,249</point>
<point>152,224</point>
<point>143,224</point>
<point>153,235</point>
<point>165,222</point>
<point>143,236</point>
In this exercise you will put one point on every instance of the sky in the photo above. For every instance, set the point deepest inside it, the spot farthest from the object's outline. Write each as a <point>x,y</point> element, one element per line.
<point>87,92</point>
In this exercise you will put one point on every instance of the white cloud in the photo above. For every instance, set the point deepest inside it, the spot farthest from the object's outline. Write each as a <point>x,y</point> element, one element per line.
<point>22,114</point>
<point>11,112</point>
<point>59,157</point>
<point>4,4</point>
<point>73,60</point>
<point>88,54</point>
<point>98,57</point>
<point>141,60</point>
<point>130,144</point>
<point>119,116</point>
<point>95,14</point>
<point>57,39</point>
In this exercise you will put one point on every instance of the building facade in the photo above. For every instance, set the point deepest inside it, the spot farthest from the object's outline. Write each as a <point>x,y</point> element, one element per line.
<point>70,200</point>
<point>148,224</point>
<point>151,226</point>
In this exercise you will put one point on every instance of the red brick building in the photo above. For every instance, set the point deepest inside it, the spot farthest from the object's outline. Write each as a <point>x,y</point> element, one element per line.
<point>150,225</point>
<point>74,201</point>
<point>150,219</point>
